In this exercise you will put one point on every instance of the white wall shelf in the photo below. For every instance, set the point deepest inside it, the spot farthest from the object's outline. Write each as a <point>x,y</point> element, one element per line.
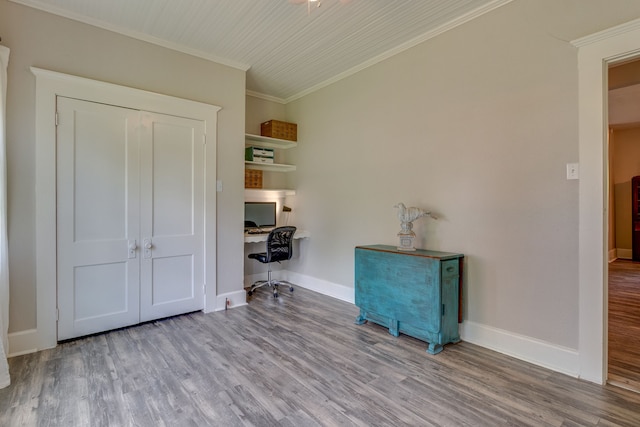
<point>267,193</point>
<point>268,142</point>
<point>269,167</point>
<point>265,141</point>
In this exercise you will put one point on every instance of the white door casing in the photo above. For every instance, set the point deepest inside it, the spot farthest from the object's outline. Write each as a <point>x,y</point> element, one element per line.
<point>50,85</point>
<point>595,52</point>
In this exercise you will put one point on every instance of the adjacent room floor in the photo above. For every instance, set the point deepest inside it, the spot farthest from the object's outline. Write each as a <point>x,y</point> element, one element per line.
<point>298,360</point>
<point>624,324</point>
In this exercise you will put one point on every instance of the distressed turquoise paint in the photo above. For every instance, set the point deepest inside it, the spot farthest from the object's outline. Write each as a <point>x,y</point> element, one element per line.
<point>414,293</point>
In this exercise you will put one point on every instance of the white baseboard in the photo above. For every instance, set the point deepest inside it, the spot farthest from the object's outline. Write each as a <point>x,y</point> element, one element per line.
<point>28,341</point>
<point>23,342</point>
<point>624,253</point>
<point>541,353</point>
<point>341,292</point>
<point>324,287</point>
<point>230,300</point>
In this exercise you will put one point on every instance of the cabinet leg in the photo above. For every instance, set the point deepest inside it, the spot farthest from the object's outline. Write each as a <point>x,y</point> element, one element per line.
<point>393,328</point>
<point>434,348</point>
<point>361,319</point>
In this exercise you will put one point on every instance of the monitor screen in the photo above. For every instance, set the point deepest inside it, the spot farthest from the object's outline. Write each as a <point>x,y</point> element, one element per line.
<point>259,214</point>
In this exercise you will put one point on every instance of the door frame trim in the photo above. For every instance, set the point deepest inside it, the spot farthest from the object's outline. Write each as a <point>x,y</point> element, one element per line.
<point>595,53</point>
<point>50,84</point>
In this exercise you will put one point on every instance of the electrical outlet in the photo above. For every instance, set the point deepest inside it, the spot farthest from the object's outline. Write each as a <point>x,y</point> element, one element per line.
<point>219,186</point>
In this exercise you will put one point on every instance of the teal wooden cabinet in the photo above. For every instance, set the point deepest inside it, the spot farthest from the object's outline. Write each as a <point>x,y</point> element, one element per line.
<point>416,293</point>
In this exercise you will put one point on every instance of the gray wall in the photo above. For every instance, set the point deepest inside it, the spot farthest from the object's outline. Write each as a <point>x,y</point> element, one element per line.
<point>46,41</point>
<point>476,124</point>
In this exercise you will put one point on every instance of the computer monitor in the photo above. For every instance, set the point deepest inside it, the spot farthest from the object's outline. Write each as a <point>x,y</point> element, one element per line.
<point>259,214</point>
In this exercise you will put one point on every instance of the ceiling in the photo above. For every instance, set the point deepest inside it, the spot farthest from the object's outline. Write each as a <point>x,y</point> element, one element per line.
<point>624,106</point>
<point>288,49</point>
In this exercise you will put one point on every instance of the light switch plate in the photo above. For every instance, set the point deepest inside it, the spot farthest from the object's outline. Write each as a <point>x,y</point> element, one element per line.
<point>573,171</point>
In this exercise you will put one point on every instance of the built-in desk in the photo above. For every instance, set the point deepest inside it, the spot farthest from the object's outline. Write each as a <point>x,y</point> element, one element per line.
<point>257,238</point>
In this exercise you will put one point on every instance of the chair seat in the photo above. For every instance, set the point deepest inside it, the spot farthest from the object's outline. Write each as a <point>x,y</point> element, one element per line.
<point>262,257</point>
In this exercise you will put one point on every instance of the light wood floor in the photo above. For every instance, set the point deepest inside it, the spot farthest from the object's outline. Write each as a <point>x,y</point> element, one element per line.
<point>294,361</point>
<point>624,324</point>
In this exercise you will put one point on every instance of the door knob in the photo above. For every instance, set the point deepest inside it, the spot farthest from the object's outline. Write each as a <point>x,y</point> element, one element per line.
<point>147,248</point>
<point>132,249</point>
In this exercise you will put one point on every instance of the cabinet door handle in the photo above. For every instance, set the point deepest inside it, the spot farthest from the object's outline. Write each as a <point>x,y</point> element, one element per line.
<point>450,269</point>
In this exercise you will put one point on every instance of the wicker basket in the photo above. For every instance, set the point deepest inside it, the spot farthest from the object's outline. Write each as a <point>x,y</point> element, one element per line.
<point>280,130</point>
<point>252,178</point>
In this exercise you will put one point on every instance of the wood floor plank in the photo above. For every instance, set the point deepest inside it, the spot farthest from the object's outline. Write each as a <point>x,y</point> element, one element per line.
<point>298,360</point>
<point>624,324</point>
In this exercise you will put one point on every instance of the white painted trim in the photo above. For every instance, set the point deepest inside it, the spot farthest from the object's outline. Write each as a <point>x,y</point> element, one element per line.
<point>49,85</point>
<point>335,290</point>
<point>133,34</point>
<point>541,353</point>
<point>607,34</point>
<point>236,299</point>
<point>23,342</point>
<point>266,194</point>
<point>486,8</point>
<point>594,54</point>
<point>324,287</point>
<point>265,97</point>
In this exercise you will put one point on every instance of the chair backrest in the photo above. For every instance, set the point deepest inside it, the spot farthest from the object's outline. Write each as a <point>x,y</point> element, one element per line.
<point>280,244</point>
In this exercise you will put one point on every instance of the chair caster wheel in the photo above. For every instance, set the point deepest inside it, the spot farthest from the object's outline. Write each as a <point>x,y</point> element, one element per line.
<point>250,293</point>
<point>275,295</point>
<point>290,288</point>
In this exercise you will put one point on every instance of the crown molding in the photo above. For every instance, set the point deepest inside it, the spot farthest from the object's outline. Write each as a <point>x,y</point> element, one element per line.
<point>265,97</point>
<point>130,33</point>
<point>36,4</point>
<point>606,34</point>
<point>405,46</point>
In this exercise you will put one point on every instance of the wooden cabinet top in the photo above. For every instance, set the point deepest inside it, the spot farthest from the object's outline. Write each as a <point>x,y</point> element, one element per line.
<point>418,252</point>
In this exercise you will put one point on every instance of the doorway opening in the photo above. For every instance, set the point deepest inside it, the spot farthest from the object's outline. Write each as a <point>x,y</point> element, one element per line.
<point>623,289</point>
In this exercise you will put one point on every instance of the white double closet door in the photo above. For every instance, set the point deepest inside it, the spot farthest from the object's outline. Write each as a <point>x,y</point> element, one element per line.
<point>130,216</point>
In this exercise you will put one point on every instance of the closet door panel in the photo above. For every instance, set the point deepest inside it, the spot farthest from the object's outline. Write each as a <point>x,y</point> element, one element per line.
<point>130,216</point>
<point>97,217</point>
<point>172,217</point>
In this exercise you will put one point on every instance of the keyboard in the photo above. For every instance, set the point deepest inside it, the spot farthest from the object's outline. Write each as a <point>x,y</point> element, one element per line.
<point>257,232</point>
